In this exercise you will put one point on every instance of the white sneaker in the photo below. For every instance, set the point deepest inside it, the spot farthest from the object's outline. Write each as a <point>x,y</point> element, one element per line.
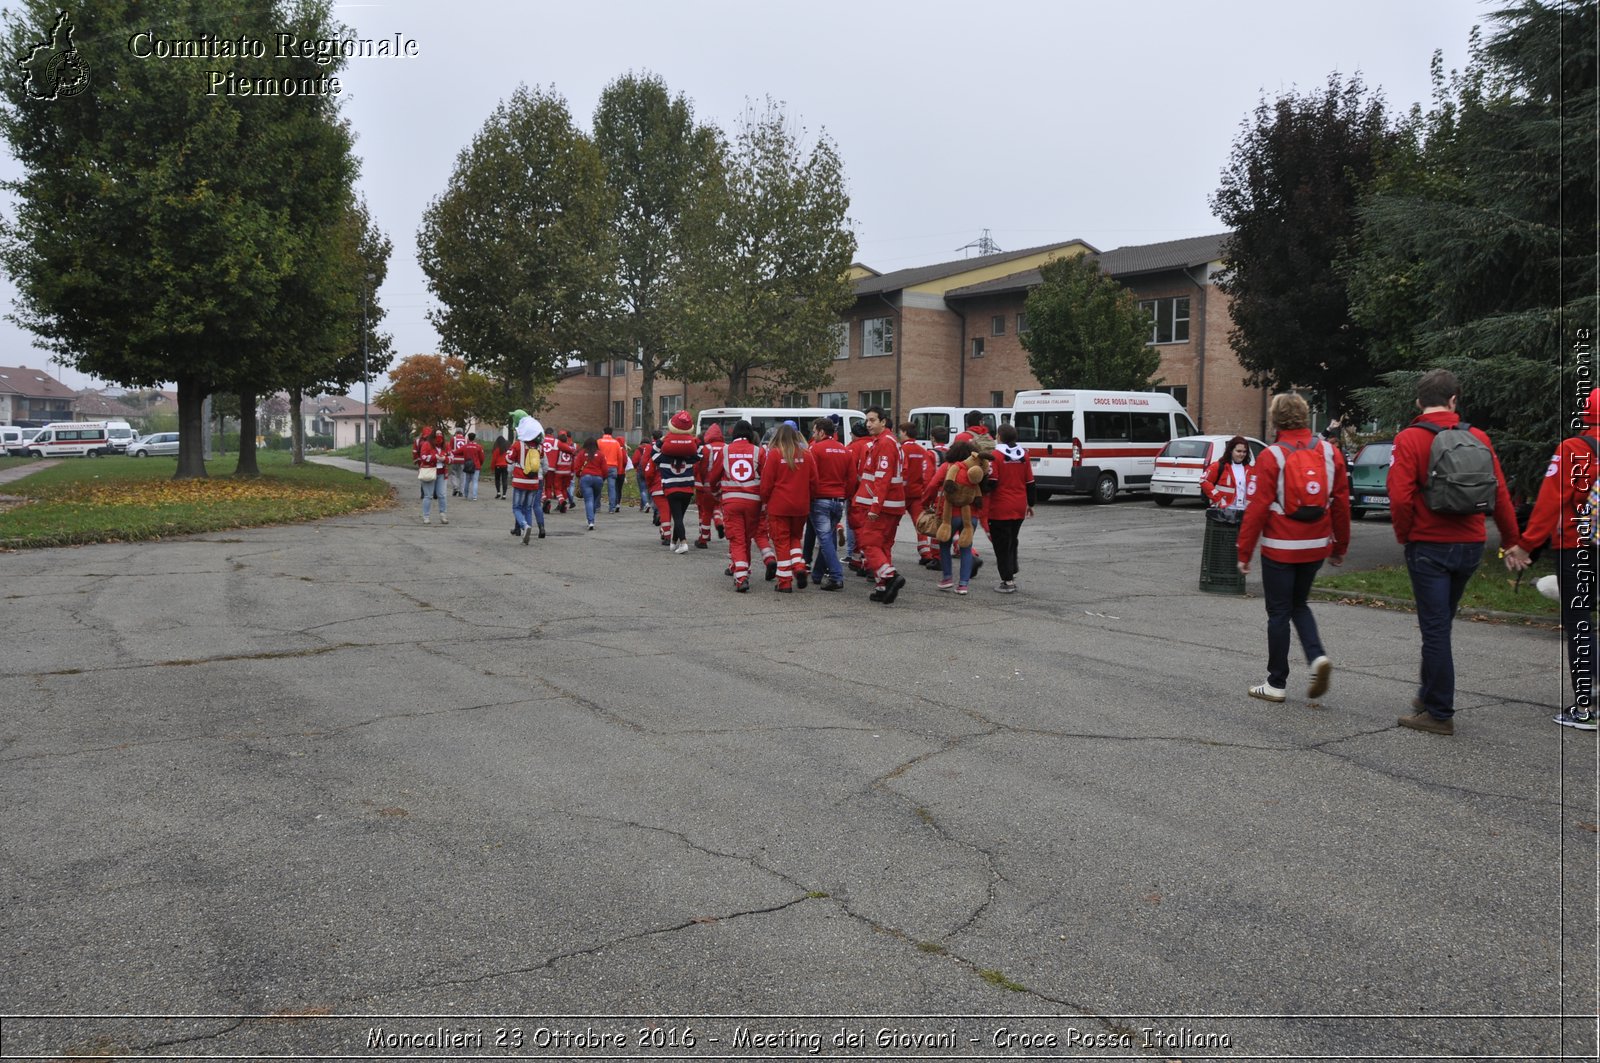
<point>425,519</point>
<point>1321,670</point>
<point>681,548</point>
<point>1268,692</point>
<point>443,519</point>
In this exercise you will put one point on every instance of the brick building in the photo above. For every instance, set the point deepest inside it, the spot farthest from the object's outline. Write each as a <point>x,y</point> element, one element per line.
<point>948,335</point>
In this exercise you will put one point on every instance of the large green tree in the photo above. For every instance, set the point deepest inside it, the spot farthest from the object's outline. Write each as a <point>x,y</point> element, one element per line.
<point>1086,331</point>
<point>1290,192</point>
<point>1479,246</point>
<point>763,276</point>
<point>163,231</point>
<point>517,248</point>
<point>655,158</point>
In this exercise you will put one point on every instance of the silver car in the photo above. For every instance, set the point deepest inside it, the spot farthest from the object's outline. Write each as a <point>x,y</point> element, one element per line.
<point>153,444</point>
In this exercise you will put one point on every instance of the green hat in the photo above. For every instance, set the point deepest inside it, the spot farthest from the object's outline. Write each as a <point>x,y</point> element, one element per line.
<point>518,415</point>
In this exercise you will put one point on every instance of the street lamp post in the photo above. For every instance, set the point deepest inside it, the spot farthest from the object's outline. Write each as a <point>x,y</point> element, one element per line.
<point>366,384</point>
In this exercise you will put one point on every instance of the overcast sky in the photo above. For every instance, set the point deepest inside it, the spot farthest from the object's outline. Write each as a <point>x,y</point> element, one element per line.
<point>1039,121</point>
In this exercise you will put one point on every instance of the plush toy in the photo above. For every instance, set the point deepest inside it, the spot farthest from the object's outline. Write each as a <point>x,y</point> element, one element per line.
<point>963,485</point>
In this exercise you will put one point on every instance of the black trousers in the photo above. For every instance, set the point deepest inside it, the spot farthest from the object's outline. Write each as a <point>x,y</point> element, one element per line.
<point>679,503</point>
<point>1004,534</point>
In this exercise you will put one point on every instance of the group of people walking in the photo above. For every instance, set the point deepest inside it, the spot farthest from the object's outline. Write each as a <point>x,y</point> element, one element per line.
<point>808,506</point>
<point>1445,483</point>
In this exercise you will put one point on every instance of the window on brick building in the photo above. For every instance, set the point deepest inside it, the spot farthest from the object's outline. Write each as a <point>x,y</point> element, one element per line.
<point>841,334</point>
<point>794,398</point>
<point>670,404</point>
<point>997,398</point>
<point>619,367</point>
<point>875,398</point>
<point>877,337</point>
<point>1169,319</point>
<point>977,346</point>
<point>1022,323</point>
<point>997,325</point>
<point>834,400</point>
<point>599,368</point>
<point>638,413</point>
<point>618,408</point>
<point>1177,391</point>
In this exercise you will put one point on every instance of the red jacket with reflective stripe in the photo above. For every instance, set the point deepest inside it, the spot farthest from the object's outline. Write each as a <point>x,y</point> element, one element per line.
<point>836,469</point>
<point>1413,521</point>
<point>1282,538</point>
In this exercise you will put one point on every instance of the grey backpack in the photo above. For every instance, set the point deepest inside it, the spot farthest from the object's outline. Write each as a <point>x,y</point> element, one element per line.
<point>1461,476</point>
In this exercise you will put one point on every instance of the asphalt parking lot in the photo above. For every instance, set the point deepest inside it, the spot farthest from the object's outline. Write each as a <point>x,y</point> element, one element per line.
<point>268,791</point>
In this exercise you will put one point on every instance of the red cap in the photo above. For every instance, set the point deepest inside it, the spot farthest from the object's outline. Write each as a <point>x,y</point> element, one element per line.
<point>681,422</point>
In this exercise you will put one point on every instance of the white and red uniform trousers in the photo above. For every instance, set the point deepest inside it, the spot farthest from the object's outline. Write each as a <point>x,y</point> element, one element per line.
<point>705,499</point>
<point>919,466</point>
<point>786,493</point>
<point>881,500</point>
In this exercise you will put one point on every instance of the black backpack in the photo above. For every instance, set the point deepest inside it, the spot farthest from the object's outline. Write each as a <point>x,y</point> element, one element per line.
<point>1461,478</point>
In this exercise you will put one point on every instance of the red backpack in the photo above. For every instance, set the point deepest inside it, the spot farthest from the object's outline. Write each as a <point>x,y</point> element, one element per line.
<point>1305,480</point>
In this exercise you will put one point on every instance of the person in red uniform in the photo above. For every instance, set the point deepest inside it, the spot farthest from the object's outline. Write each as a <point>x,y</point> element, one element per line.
<point>1442,549</point>
<point>1009,505</point>
<point>738,481</point>
<point>881,498</point>
<point>640,459</point>
<point>1564,520</point>
<point>788,484</point>
<point>1293,547</point>
<point>457,461</point>
<point>502,470</point>
<point>919,469</point>
<point>705,499</point>
<point>565,461</point>
<point>433,452</point>
<point>860,442</point>
<point>1223,483</point>
<point>835,483</point>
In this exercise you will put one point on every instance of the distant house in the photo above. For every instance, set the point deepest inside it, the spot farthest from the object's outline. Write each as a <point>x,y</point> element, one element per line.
<point>95,405</point>
<point>348,419</point>
<point>32,397</point>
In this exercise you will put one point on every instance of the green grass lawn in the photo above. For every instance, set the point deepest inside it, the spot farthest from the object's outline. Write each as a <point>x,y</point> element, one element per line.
<point>8,462</point>
<point>1492,588</point>
<point>399,456</point>
<point>89,500</point>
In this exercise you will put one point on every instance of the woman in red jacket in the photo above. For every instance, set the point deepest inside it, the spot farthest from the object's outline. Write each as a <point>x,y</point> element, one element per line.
<point>1225,479</point>
<point>434,453</point>
<point>502,468</point>
<point>788,484</point>
<point>1010,504</point>
<point>591,476</point>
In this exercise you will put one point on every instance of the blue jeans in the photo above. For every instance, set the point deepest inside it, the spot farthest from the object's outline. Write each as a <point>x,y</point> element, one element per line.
<point>613,488</point>
<point>1287,586</point>
<point>644,488</point>
<point>826,513</point>
<point>1439,575</point>
<point>437,489</point>
<point>965,552</point>
<point>525,508</point>
<point>590,486</point>
<point>470,483</point>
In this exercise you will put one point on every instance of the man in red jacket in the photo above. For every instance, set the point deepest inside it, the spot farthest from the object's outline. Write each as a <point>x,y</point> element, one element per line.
<point>835,483</point>
<point>881,501</point>
<point>1300,520</point>
<point>1442,549</point>
<point>705,499</point>
<point>919,470</point>
<point>1564,520</point>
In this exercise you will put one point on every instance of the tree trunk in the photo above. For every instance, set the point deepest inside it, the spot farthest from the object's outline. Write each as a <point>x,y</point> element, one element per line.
<point>297,427</point>
<point>247,436</point>
<point>192,428</point>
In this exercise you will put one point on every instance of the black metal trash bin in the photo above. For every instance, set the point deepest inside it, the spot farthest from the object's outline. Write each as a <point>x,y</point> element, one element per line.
<point>1219,557</point>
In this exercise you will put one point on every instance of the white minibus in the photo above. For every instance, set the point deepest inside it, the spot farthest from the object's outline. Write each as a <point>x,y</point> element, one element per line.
<point>66,439</point>
<point>766,419</point>
<point>1096,442</point>
<point>927,418</point>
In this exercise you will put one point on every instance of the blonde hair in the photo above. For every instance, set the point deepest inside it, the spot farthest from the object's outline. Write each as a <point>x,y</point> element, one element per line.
<point>1289,411</point>
<point>787,440</point>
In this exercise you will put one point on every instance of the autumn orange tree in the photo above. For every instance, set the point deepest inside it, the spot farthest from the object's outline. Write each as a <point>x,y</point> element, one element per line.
<point>432,389</point>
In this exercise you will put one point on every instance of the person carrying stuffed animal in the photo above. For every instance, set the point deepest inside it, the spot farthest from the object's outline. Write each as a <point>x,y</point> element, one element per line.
<point>957,485</point>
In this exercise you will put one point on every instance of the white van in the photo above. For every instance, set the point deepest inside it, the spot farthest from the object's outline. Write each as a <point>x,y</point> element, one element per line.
<point>67,439</point>
<point>1096,442</point>
<point>10,439</point>
<point>766,419</point>
<point>121,434</point>
<point>927,418</point>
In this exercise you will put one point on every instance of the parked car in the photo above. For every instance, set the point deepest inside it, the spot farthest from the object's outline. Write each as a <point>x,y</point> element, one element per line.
<point>153,444</point>
<point>1183,461</point>
<point>1369,480</point>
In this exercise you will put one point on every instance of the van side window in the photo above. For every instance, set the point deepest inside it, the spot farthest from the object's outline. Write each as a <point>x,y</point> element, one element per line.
<point>1151,427</point>
<point>1100,427</point>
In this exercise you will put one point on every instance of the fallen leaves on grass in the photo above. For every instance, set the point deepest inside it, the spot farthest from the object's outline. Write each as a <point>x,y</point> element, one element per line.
<point>186,492</point>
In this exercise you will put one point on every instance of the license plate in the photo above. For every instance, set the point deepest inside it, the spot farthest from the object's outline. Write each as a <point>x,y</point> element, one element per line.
<point>1374,500</point>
